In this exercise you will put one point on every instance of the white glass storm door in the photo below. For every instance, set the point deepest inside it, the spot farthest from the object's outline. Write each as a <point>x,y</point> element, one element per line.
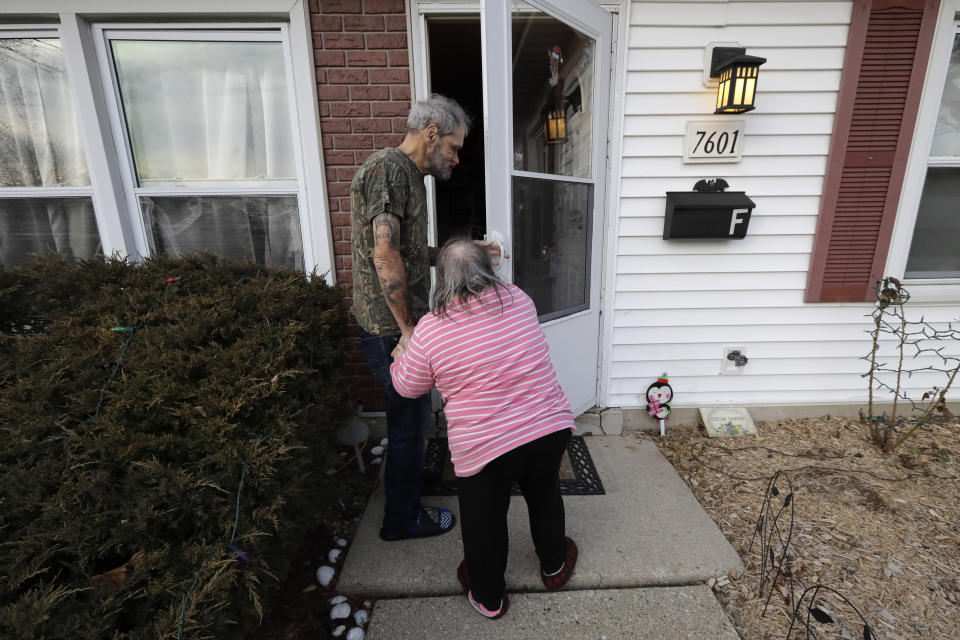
<point>546,103</point>
<point>206,129</point>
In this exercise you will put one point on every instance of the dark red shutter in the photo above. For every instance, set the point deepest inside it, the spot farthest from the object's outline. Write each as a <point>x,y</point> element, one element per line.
<point>886,58</point>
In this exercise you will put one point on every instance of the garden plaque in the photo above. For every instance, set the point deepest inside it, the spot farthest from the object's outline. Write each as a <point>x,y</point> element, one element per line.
<point>727,421</point>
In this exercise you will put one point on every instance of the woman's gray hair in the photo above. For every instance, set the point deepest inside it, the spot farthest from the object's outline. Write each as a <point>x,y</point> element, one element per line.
<point>441,111</point>
<point>464,271</point>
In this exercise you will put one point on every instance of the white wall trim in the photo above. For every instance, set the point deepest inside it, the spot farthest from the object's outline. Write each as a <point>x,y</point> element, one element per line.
<point>116,232</point>
<point>418,51</point>
<point>924,290</point>
<point>315,226</point>
<point>608,277</point>
<point>117,131</point>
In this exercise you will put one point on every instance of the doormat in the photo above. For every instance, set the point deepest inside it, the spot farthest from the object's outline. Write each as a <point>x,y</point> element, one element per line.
<point>578,475</point>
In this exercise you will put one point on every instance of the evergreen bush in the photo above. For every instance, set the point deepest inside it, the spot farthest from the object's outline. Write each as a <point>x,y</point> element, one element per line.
<point>164,428</point>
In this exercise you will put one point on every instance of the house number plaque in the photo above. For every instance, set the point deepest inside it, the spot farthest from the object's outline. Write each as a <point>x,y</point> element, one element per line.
<point>713,141</point>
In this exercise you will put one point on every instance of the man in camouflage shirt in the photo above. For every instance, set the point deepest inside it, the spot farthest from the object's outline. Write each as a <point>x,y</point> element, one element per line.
<point>391,287</point>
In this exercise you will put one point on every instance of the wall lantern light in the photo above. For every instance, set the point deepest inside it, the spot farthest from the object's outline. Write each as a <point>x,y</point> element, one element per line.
<point>555,127</point>
<point>738,74</point>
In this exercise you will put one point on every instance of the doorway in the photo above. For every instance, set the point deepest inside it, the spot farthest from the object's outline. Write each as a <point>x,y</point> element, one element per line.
<point>534,75</point>
<point>456,72</point>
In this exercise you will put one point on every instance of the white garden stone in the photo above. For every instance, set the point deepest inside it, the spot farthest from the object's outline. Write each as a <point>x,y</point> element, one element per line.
<point>325,575</point>
<point>340,611</point>
<point>356,634</point>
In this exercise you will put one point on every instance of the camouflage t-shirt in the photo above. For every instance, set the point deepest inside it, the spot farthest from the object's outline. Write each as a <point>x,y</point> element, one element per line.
<point>389,181</point>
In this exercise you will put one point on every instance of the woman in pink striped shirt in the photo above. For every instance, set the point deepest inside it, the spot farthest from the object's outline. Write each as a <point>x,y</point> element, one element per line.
<point>507,417</point>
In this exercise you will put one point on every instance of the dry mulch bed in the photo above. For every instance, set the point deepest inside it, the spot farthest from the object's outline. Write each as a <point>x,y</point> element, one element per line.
<point>883,530</point>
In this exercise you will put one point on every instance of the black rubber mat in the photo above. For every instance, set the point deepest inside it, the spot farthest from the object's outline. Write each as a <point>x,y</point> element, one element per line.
<point>578,475</point>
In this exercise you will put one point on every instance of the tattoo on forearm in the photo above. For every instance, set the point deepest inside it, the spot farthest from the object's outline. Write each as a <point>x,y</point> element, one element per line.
<point>386,228</point>
<point>397,296</point>
<point>390,271</point>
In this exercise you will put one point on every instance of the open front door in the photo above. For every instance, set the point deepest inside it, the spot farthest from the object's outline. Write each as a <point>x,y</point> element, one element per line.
<point>546,73</point>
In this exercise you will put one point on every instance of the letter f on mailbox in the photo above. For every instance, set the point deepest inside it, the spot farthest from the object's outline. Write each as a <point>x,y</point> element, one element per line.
<point>735,218</point>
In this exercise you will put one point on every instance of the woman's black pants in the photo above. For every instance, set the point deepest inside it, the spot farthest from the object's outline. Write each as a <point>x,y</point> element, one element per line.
<point>485,499</point>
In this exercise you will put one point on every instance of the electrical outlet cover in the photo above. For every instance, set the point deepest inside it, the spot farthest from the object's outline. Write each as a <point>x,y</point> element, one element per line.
<point>729,367</point>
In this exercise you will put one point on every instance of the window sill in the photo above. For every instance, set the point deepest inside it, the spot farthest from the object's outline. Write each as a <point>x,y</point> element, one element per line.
<point>946,290</point>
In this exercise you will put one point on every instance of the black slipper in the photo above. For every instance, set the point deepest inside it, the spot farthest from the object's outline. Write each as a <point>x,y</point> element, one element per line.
<point>432,522</point>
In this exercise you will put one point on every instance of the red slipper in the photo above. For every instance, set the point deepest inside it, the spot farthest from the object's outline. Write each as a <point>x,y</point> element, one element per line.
<point>559,580</point>
<point>493,615</point>
<point>463,576</point>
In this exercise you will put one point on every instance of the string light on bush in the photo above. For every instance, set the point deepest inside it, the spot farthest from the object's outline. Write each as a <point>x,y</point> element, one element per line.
<point>241,558</point>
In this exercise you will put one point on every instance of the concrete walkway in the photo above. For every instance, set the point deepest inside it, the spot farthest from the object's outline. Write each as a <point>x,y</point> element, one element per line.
<point>646,548</point>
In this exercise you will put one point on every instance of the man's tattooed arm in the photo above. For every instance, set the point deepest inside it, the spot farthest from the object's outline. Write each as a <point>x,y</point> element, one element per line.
<point>391,270</point>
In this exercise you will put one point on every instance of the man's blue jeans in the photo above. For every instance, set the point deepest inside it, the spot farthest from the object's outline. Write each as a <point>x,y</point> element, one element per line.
<point>407,423</point>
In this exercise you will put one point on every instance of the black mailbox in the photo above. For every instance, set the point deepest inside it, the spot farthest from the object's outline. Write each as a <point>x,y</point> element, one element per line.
<point>707,214</point>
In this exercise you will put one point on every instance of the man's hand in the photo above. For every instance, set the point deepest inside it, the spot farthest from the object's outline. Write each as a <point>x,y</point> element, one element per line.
<point>401,347</point>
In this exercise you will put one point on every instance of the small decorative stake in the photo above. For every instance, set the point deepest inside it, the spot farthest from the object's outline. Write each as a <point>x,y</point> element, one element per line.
<point>659,395</point>
<point>774,541</point>
<point>811,605</point>
<point>353,434</point>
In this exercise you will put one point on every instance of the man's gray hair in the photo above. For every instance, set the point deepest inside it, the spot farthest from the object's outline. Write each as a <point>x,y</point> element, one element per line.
<point>441,111</point>
<point>464,271</point>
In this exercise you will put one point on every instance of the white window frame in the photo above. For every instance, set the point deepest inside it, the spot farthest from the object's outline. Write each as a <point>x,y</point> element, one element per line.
<point>49,31</point>
<point>104,33</point>
<point>120,223</point>
<point>934,289</point>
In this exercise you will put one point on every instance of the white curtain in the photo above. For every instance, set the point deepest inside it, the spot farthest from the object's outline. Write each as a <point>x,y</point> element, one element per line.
<point>43,225</point>
<point>212,111</point>
<point>40,147</point>
<point>265,229</point>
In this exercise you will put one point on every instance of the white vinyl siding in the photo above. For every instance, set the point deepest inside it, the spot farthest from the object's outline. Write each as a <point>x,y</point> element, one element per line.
<point>678,304</point>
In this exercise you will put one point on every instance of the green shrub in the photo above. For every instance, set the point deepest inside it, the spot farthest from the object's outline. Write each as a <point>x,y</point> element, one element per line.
<point>120,484</point>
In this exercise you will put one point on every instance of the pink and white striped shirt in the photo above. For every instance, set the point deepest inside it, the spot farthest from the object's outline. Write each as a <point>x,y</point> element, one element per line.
<point>492,368</point>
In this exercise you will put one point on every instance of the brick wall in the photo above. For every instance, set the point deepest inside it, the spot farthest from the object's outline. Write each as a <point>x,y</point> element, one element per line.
<point>363,85</point>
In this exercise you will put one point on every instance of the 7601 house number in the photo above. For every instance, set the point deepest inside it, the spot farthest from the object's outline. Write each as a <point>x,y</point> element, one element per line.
<point>720,147</point>
<point>713,141</point>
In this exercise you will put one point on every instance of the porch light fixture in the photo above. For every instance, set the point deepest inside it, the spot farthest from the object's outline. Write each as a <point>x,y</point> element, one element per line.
<point>738,74</point>
<point>555,127</point>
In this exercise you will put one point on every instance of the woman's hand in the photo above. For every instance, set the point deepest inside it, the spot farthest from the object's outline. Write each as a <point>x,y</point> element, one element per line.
<point>493,249</point>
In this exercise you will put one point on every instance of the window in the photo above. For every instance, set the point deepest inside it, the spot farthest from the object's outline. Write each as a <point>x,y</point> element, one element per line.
<point>206,120</point>
<point>148,138</point>
<point>46,200</point>
<point>936,233</point>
